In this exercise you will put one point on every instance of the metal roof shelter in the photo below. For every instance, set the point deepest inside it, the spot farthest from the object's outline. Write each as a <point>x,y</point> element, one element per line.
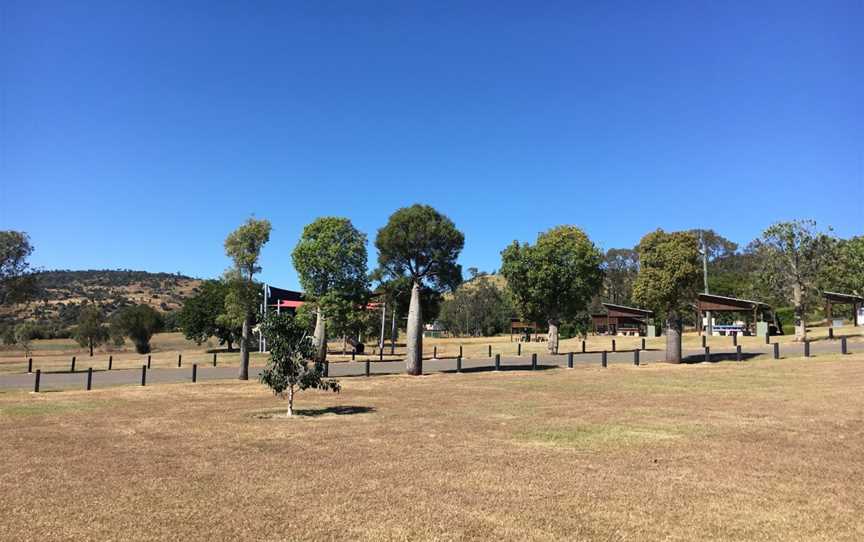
<point>719,303</point>
<point>620,318</point>
<point>835,298</point>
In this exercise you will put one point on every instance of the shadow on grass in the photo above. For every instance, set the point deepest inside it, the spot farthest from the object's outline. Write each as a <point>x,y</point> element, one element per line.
<point>491,368</point>
<point>716,358</point>
<point>335,410</point>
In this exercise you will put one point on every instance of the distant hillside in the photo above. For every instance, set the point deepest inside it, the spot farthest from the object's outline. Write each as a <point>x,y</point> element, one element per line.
<point>62,293</point>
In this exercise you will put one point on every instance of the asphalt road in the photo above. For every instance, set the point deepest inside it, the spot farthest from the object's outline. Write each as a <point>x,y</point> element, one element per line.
<point>102,378</point>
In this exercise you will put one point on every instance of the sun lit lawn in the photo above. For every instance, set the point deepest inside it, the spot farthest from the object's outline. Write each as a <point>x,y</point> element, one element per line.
<point>763,450</point>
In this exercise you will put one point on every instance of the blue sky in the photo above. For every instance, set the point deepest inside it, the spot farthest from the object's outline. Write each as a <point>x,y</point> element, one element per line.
<point>138,135</point>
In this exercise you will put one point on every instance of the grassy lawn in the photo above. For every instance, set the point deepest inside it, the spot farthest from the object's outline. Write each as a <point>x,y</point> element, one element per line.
<point>764,450</point>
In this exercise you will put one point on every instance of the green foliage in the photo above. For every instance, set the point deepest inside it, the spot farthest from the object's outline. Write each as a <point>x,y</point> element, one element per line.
<point>242,299</point>
<point>845,273</point>
<point>16,282</point>
<point>620,266</point>
<point>139,323</point>
<point>478,308</point>
<point>556,278</point>
<point>291,362</point>
<point>244,244</point>
<point>421,243</point>
<point>670,273</point>
<point>25,333</point>
<point>203,315</point>
<point>91,330</point>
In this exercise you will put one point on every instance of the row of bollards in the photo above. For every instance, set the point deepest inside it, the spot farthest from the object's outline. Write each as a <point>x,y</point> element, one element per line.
<point>73,362</point>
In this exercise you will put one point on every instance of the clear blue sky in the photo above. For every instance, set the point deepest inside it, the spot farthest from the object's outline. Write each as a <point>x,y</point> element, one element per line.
<point>138,134</point>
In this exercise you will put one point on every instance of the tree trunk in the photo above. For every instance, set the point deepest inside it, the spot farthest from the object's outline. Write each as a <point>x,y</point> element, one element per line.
<point>673,339</point>
<point>394,332</point>
<point>290,392</point>
<point>800,327</point>
<point>320,336</point>
<point>244,349</point>
<point>414,357</point>
<point>552,343</point>
<point>230,345</point>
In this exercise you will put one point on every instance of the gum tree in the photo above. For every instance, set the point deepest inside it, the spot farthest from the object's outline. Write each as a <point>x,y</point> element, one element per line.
<point>291,366</point>
<point>330,259</point>
<point>420,244</point>
<point>554,279</point>
<point>668,279</point>
<point>91,331</point>
<point>243,246</point>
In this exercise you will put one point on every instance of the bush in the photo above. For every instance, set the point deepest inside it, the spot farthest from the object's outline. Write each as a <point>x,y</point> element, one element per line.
<point>139,323</point>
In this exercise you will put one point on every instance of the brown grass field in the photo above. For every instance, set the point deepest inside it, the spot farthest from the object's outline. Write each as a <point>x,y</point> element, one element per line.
<point>764,450</point>
<point>55,354</point>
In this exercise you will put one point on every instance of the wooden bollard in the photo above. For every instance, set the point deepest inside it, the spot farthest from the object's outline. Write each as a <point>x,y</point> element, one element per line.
<point>460,351</point>
<point>143,375</point>
<point>29,366</point>
<point>776,350</point>
<point>767,338</point>
<point>518,349</point>
<point>737,352</point>
<point>734,338</point>
<point>830,332</point>
<point>36,380</point>
<point>534,361</point>
<point>194,373</point>
<point>353,355</point>
<point>708,354</point>
<point>179,360</point>
<point>490,350</point>
<point>459,364</point>
<point>613,345</point>
<point>636,358</point>
<point>704,341</point>
<point>326,368</point>
<point>643,343</point>
<point>381,354</point>
<point>806,348</point>
<point>497,362</point>
<point>89,378</point>
<point>603,360</point>
<point>148,361</point>
<point>583,347</point>
<point>367,367</point>
<point>434,352</point>
<point>843,349</point>
<point>570,360</point>
<point>73,364</point>
<point>110,362</point>
<point>214,359</point>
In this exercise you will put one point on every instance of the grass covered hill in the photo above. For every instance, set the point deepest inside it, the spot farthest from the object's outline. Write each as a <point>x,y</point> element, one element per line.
<point>61,294</point>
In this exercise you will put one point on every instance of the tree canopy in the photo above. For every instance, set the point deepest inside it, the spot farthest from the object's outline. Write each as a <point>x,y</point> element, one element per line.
<point>478,307</point>
<point>16,281</point>
<point>204,315</point>
<point>91,330</point>
<point>554,279</point>
<point>139,323</point>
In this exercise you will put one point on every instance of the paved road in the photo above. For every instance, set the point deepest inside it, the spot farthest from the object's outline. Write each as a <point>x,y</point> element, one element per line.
<point>104,379</point>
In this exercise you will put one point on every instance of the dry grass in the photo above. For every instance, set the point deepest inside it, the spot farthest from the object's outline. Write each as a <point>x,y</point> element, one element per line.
<point>759,451</point>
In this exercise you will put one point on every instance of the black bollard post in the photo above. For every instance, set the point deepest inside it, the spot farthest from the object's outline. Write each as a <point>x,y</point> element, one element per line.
<point>534,361</point>
<point>194,373</point>
<point>434,352</point>
<point>603,359</point>
<point>148,361</point>
<point>367,367</point>
<point>326,368</point>
<point>459,364</point>
<point>613,345</point>
<point>643,343</point>
<point>353,354</point>
<point>89,378</point>
<point>29,366</point>
<point>830,332</point>
<point>179,360</point>
<point>776,350</point>
<point>767,338</point>
<point>636,358</point>
<point>497,362</point>
<point>806,348</point>
<point>110,362</point>
<point>36,380</point>
<point>737,352</point>
<point>518,349</point>
<point>734,338</point>
<point>73,364</point>
<point>583,347</point>
<point>704,341</point>
<point>143,375</point>
<point>381,355</point>
<point>707,354</point>
<point>490,350</point>
<point>570,360</point>
<point>460,351</point>
<point>843,345</point>
<point>214,359</point>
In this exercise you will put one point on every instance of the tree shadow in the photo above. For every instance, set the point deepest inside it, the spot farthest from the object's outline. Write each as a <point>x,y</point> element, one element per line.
<point>491,368</point>
<point>716,358</point>
<point>341,410</point>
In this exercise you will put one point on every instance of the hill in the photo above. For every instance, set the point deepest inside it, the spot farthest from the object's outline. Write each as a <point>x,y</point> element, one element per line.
<point>62,293</point>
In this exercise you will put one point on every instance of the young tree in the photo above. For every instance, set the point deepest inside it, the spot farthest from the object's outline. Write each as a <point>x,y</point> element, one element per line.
<point>792,256</point>
<point>203,315</point>
<point>291,364</point>
<point>24,334</point>
<point>243,246</point>
<point>91,331</point>
<point>422,245</point>
<point>330,259</point>
<point>554,279</point>
<point>16,281</point>
<point>670,273</point>
<point>139,323</point>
